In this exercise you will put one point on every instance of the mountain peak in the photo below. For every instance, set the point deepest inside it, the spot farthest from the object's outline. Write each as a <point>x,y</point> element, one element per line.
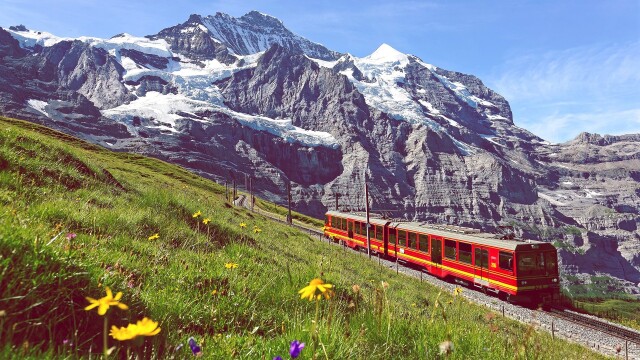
<point>386,53</point>
<point>265,19</point>
<point>18,28</point>
<point>195,18</point>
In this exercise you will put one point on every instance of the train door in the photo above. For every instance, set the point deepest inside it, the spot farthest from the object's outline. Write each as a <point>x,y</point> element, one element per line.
<point>350,228</point>
<point>392,239</point>
<point>436,250</point>
<point>480,267</point>
<point>385,242</point>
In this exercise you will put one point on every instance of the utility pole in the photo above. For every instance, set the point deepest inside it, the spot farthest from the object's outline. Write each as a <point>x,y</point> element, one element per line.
<point>366,200</point>
<point>337,195</point>
<point>226,190</point>
<point>235,190</point>
<point>289,219</point>
<point>251,193</point>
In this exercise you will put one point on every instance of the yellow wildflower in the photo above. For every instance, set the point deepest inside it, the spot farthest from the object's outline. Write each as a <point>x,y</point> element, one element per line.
<point>154,236</point>
<point>206,221</point>
<point>121,334</point>
<point>144,327</point>
<point>243,225</point>
<point>457,291</point>
<point>214,292</point>
<point>231,265</point>
<point>316,284</point>
<point>256,229</point>
<point>197,213</point>
<point>104,303</point>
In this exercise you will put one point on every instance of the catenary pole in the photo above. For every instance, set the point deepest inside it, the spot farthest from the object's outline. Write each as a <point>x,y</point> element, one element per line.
<point>366,200</point>
<point>289,219</point>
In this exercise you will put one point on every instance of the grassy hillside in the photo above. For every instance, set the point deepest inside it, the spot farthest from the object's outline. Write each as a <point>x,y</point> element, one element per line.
<point>53,186</point>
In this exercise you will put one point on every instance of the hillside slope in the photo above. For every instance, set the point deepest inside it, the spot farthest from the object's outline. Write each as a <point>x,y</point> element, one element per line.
<point>53,185</point>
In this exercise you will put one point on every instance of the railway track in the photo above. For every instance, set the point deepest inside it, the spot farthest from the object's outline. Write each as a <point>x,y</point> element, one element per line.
<point>559,313</point>
<point>603,326</point>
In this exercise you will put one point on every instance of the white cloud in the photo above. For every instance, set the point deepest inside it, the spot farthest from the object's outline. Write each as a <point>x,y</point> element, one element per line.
<point>559,94</point>
<point>562,127</point>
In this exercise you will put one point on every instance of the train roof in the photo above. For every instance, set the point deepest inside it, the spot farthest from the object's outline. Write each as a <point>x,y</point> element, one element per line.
<point>452,232</point>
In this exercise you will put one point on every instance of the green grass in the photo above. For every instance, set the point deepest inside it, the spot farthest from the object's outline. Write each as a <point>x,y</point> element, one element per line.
<point>53,184</point>
<point>283,211</point>
<point>624,311</point>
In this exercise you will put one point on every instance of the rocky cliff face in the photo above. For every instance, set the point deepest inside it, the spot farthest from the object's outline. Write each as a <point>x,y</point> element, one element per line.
<point>235,97</point>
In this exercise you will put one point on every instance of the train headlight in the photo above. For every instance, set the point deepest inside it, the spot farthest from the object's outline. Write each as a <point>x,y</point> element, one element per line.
<point>555,280</point>
<point>523,282</point>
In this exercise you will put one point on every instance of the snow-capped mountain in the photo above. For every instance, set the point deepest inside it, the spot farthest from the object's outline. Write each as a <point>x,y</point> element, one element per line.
<point>229,96</point>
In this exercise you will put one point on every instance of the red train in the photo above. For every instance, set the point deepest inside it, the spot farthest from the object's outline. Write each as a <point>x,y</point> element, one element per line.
<point>517,270</point>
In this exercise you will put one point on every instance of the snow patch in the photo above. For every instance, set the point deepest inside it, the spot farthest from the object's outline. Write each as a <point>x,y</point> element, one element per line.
<point>285,129</point>
<point>324,63</point>
<point>386,54</point>
<point>31,38</point>
<point>590,194</point>
<point>165,110</point>
<point>551,199</point>
<point>38,105</point>
<point>428,105</point>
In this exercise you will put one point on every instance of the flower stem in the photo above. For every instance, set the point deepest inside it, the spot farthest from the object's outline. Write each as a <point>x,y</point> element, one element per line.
<point>314,329</point>
<point>104,337</point>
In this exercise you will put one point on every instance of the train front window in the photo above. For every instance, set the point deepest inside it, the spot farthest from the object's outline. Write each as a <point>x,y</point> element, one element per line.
<point>532,264</point>
<point>552,263</point>
<point>326,220</point>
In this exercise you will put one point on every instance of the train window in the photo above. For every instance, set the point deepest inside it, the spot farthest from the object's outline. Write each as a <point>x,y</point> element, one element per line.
<point>527,264</point>
<point>343,224</point>
<point>350,227</point>
<point>402,238</point>
<point>482,258</point>
<point>506,261</point>
<point>423,241</point>
<point>552,263</point>
<point>392,236</point>
<point>412,241</point>
<point>326,220</point>
<point>465,252</point>
<point>450,249</point>
<point>379,232</point>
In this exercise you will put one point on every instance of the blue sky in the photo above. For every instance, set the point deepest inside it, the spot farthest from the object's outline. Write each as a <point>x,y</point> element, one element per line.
<point>564,66</point>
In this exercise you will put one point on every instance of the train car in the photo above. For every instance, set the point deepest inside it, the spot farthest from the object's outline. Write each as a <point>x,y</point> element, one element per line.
<point>520,271</point>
